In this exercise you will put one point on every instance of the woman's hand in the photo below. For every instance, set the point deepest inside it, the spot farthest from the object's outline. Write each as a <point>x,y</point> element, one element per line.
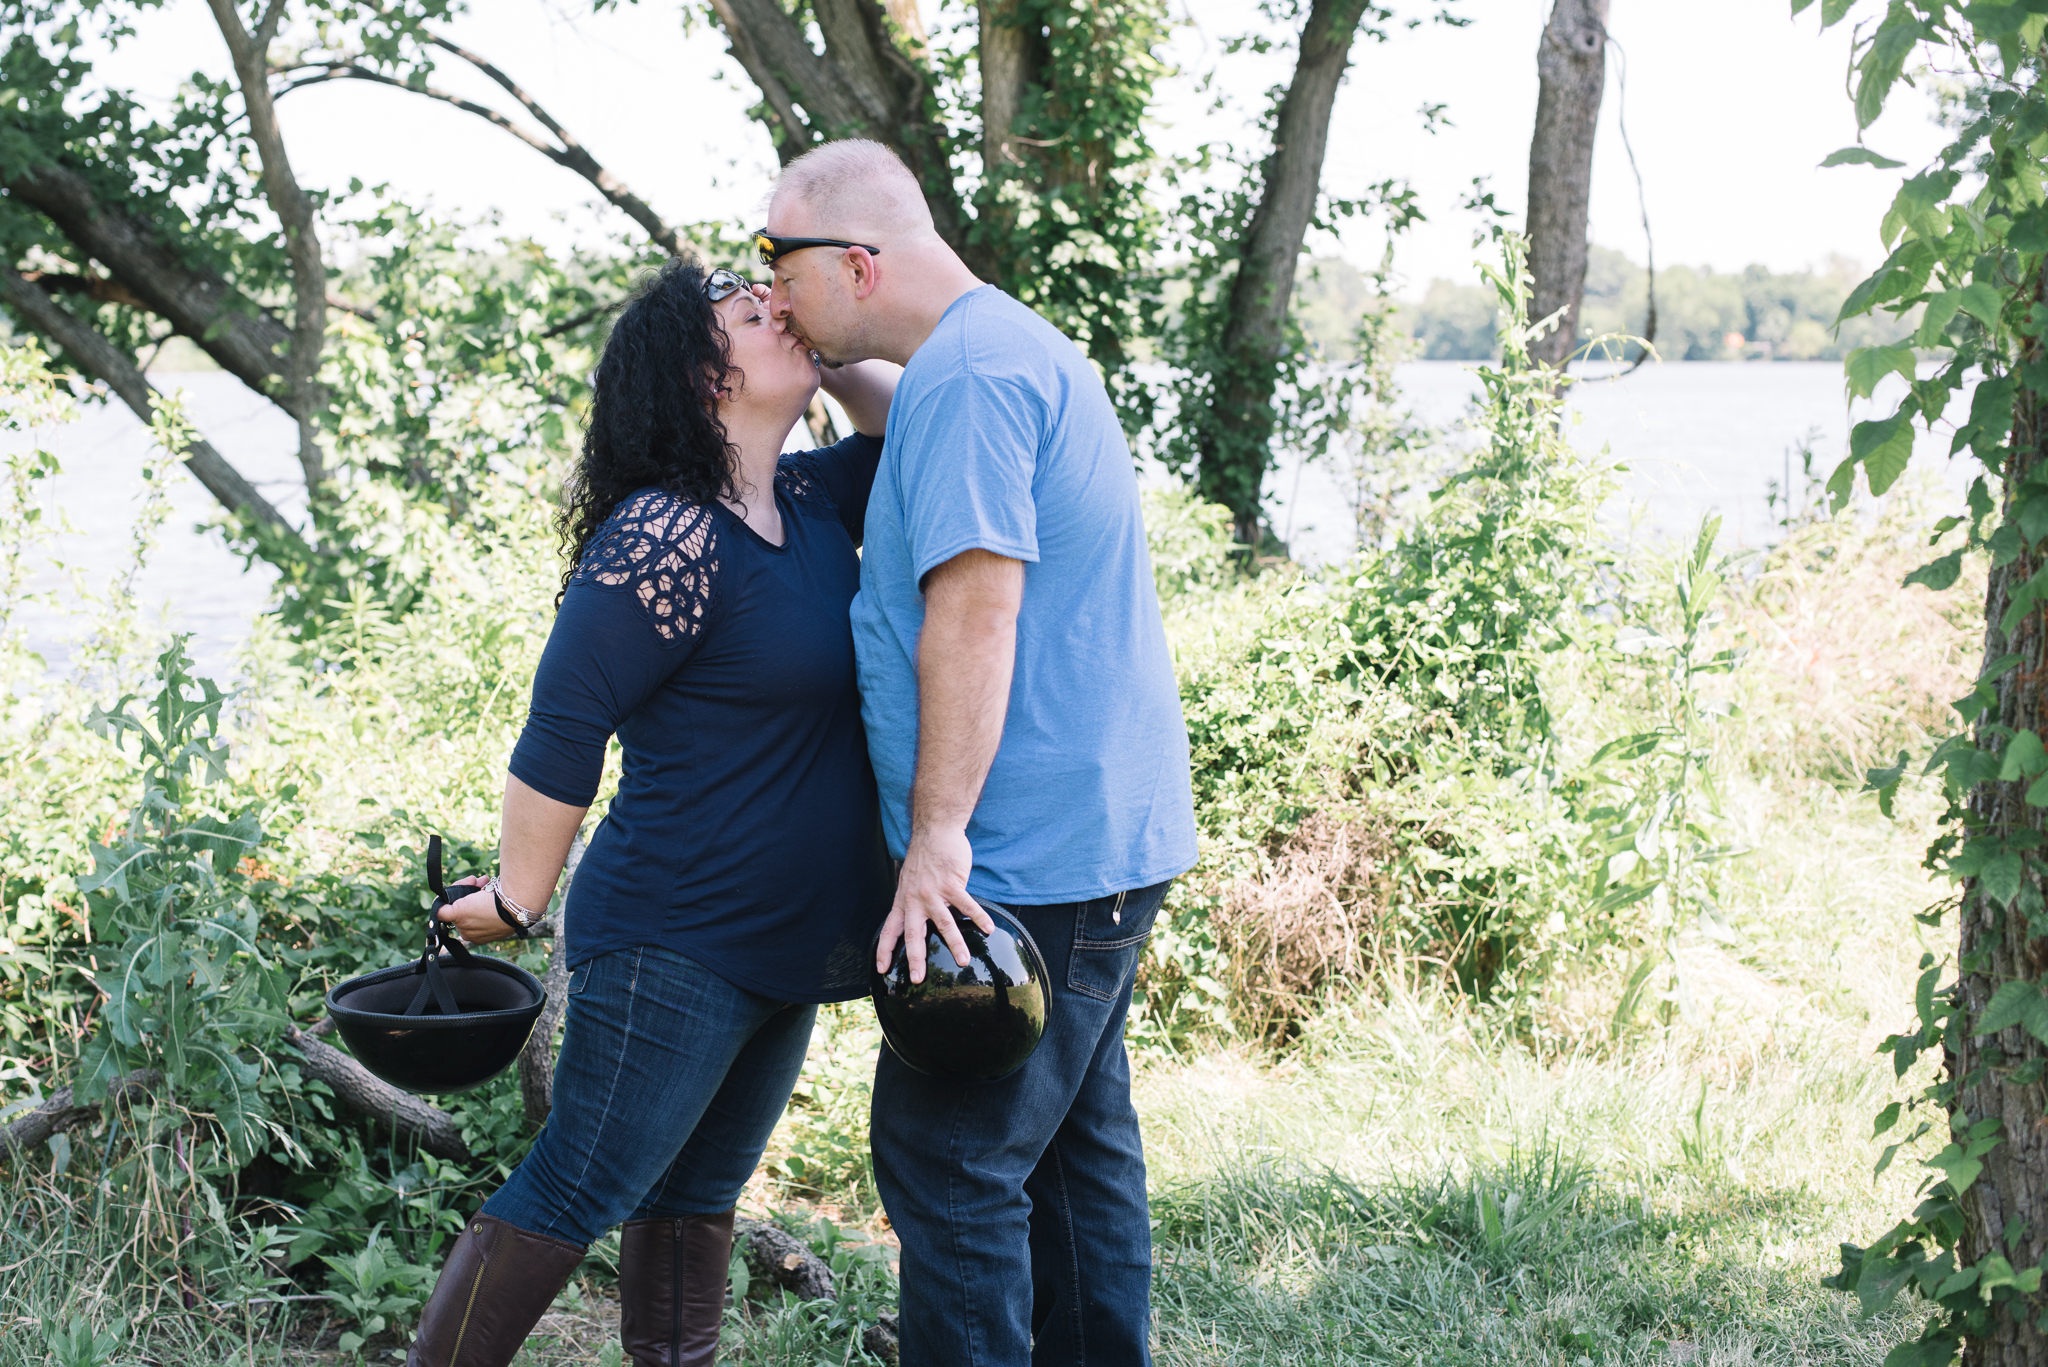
<point>864,389</point>
<point>475,916</point>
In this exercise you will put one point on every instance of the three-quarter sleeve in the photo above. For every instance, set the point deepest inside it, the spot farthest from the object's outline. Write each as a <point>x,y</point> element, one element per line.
<point>636,609</point>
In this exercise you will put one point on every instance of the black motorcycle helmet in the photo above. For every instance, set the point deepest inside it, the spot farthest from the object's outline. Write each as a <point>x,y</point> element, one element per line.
<point>441,1024</point>
<point>972,1022</point>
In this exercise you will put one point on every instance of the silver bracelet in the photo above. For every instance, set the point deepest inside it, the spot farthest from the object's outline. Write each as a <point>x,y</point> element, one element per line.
<point>526,917</point>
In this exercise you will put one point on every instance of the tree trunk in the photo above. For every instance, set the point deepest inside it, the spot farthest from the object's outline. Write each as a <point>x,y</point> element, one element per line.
<point>99,357</point>
<point>237,332</point>
<point>2005,1211</point>
<point>295,212</point>
<point>1236,443</point>
<point>1571,59</point>
<point>871,81</point>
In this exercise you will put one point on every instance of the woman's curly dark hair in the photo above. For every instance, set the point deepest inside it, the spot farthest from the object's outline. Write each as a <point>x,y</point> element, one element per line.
<point>653,411</point>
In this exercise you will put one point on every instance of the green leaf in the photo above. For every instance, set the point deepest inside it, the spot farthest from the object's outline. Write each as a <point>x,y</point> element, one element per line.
<point>2029,232</point>
<point>1886,1118</point>
<point>1831,11</point>
<point>1858,156</point>
<point>1934,321</point>
<point>1960,1169</point>
<point>1868,365</point>
<point>1983,302</point>
<point>1841,485</point>
<point>1884,448</point>
<point>2014,1003</point>
<point>2002,875</point>
<point>1884,61</point>
<point>2024,756</point>
<point>1940,573</point>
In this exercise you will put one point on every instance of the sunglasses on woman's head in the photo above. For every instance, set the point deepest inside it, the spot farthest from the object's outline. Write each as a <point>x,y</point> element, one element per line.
<point>722,284</point>
<point>774,248</point>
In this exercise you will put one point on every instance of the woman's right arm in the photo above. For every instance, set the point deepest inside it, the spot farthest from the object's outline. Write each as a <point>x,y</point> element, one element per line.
<point>616,640</point>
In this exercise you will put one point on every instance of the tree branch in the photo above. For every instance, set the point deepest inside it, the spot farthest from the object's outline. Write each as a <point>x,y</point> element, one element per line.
<point>58,1113</point>
<point>432,1128</point>
<point>570,154</point>
<point>102,359</point>
<point>797,135</point>
<point>295,211</point>
<point>241,337</point>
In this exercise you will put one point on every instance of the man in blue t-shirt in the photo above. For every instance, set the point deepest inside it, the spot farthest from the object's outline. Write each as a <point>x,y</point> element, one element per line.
<point>1026,733</point>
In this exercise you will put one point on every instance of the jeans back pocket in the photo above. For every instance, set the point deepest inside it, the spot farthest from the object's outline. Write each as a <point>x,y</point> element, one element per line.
<point>1109,934</point>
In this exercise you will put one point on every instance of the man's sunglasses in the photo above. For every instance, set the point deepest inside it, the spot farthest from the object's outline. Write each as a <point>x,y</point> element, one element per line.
<point>722,284</point>
<point>774,248</point>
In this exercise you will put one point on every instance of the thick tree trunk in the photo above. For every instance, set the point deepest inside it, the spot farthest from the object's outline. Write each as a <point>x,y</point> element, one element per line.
<point>100,358</point>
<point>2005,1211</point>
<point>864,85</point>
<point>239,334</point>
<point>1571,59</point>
<point>1236,447</point>
<point>295,212</point>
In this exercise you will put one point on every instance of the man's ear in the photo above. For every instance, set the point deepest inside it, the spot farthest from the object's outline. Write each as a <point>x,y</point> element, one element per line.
<point>864,272</point>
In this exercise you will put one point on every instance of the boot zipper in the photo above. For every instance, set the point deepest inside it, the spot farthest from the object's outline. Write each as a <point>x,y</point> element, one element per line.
<point>675,1303</point>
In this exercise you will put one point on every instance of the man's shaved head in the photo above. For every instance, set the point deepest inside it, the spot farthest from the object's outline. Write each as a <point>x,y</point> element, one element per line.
<point>852,189</point>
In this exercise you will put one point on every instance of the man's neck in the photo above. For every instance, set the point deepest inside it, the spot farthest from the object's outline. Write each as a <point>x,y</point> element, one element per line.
<point>920,316</point>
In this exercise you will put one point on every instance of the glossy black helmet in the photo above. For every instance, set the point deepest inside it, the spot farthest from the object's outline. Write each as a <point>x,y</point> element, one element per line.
<point>976,1022</point>
<point>442,1024</point>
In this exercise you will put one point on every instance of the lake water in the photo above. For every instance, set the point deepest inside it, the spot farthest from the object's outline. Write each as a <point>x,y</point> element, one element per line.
<point>1698,437</point>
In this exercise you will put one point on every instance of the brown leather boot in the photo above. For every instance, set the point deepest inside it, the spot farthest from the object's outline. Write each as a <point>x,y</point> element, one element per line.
<point>672,1289</point>
<point>497,1283</point>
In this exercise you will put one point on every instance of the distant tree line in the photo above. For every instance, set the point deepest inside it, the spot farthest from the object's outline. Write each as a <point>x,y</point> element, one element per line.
<point>1702,314</point>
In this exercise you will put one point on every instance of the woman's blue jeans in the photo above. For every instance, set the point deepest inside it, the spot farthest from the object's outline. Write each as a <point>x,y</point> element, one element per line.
<point>668,1086</point>
<point>1020,1204</point>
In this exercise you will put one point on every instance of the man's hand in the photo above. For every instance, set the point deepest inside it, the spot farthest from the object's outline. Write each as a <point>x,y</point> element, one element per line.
<point>933,877</point>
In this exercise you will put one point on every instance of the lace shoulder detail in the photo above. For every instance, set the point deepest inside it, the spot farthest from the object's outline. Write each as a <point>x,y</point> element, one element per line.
<point>665,549</point>
<point>798,474</point>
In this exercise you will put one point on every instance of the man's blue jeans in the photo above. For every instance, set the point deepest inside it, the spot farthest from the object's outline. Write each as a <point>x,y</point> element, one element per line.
<point>668,1086</point>
<point>1020,1204</point>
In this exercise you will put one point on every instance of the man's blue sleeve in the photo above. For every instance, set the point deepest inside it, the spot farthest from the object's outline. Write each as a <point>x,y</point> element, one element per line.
<point>966,467</point>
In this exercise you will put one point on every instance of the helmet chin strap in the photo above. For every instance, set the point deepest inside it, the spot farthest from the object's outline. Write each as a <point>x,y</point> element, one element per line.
<point>439,937</point>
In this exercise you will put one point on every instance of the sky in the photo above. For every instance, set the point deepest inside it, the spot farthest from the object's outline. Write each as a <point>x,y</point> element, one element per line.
<point>1730,107</point>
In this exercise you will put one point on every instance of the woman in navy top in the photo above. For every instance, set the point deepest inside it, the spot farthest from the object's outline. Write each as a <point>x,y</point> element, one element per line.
<point>739,874</point>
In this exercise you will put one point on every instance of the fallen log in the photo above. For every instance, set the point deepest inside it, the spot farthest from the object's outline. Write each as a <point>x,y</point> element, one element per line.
<point>427,1125</point>
<point>780,1259</point>
<point>59,1113</point>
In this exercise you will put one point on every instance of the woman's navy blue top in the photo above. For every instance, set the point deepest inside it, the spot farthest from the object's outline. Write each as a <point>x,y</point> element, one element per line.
<point>746,831</point>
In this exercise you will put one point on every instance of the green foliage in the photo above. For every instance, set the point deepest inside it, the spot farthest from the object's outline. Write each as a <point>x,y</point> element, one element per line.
<point>187,989</point>
<point>1410,697</point>
<point>375,1290</point>
<point>1968,251</point>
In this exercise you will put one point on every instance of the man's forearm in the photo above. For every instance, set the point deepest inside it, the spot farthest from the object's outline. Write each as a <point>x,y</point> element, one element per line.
<point>965,657</point>
<point>864,389</point>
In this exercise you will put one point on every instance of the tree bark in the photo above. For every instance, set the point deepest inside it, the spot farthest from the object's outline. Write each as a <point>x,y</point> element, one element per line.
<point>238,333</point>
<point>1571,60</point>
<point>864,85</point>
<point>101,358</point>
<point>427,1125</point>
<point>2005,1211</point>
<point>295,210</point>
<point>1011,55</point>
<point>537,1059</point>
<point>1236,442</point>
<point>58,1113</point>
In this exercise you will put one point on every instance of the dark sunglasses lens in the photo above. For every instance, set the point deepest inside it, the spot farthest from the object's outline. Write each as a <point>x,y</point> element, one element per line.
<point>721,283</point>
<point>766,246</point>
